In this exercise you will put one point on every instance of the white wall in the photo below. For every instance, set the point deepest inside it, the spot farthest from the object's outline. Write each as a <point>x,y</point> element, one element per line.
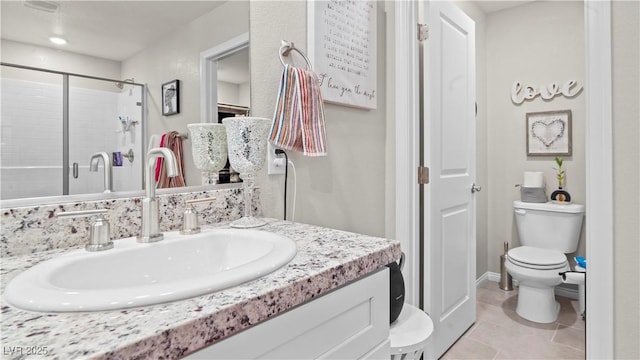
<point>537,43</point>
<point>626,177</point>
<point>244,94</point>
<point>177,56</point>
<point>53,59</point>
<point>234,94</point>
<point>346,189</point>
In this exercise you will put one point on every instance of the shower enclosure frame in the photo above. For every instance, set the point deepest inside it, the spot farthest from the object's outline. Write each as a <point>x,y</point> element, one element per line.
<point>65,115</point>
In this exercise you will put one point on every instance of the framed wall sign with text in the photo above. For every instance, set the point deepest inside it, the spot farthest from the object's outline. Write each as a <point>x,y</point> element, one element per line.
<point>342,46</point>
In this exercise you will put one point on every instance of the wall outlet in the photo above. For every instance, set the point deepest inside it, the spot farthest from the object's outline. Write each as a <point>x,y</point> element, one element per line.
<point>275,167</point>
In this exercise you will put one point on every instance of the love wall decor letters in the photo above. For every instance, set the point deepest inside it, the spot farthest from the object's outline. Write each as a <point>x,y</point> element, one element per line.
<point>520,92</point>
<point>549,132</point>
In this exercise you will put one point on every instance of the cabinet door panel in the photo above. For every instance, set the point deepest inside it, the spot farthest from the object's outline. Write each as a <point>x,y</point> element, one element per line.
<point>347,323</point>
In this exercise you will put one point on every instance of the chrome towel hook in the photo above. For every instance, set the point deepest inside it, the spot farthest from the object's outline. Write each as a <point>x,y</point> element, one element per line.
<point>286,47</point>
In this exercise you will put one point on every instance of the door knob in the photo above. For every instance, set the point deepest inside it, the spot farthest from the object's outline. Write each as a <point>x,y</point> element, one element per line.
<point>475,189</point>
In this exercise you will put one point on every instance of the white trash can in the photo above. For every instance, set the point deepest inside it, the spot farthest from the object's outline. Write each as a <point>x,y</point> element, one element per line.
<point>409,333</point>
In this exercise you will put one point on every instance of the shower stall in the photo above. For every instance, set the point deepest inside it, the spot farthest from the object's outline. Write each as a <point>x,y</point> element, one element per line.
<point>52,123</point>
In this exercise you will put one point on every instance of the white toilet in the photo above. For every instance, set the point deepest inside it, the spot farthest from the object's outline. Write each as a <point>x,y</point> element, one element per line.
<point>547,231</point>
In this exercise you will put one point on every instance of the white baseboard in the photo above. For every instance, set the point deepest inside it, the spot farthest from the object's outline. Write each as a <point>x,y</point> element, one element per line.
<point>561,290</point>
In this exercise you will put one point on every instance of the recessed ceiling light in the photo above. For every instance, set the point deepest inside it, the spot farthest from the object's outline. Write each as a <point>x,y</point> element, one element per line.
<point>57,40</point>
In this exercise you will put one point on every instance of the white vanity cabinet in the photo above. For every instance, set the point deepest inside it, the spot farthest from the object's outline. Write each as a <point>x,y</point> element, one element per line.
<point>351,322</point>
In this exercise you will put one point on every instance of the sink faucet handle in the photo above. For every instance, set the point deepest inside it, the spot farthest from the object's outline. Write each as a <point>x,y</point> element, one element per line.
<point>200,201</point>
<point>190,223</point>
<point>99,236</point>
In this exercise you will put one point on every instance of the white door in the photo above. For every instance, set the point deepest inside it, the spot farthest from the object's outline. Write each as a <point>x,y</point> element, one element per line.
<point>449,152</point>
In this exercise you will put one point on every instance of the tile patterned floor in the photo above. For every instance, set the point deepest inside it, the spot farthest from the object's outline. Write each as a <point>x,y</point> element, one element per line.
<point>499,333</point>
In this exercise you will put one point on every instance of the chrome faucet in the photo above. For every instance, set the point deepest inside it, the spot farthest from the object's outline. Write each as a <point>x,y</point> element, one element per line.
<point>108,174</point>
<point>150,212</point>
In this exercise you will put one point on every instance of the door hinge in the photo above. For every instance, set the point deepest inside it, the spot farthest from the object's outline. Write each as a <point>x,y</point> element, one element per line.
<point>423,175</point>
<point>423,32</point>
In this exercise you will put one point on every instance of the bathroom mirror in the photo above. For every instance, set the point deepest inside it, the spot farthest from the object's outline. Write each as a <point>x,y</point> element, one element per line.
<point>144,42</point>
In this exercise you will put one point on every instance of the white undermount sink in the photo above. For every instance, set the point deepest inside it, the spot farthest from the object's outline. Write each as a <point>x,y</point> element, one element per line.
<point>134,274</point>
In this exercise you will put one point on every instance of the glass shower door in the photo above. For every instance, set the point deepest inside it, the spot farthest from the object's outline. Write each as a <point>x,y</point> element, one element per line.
<point>31,134</point>
<point>104,117</point>
<point>52,124</point>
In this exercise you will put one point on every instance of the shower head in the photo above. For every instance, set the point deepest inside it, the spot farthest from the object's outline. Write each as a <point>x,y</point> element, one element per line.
<point>120,84</point>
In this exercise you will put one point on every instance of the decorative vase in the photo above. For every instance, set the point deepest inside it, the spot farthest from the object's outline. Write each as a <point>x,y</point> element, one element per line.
<point>247,145</point>
<point>209,147</point>
<point>561,196</point>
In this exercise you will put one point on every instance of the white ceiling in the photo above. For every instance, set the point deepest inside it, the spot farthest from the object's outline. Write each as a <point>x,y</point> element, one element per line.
<point>114,30</point>
<point>117,30</point>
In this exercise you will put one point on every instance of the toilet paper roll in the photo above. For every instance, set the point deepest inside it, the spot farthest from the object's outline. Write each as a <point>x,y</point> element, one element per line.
<point>533,179</point>
<point>572,277</point>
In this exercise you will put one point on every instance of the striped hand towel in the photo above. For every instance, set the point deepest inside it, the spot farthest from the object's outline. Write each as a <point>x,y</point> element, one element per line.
<point>298,120</point>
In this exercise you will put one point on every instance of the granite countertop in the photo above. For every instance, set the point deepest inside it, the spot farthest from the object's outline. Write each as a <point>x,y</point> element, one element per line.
<point>326,259</point>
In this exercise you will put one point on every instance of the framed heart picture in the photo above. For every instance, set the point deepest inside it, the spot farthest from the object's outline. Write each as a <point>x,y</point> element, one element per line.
<point>549,133</point>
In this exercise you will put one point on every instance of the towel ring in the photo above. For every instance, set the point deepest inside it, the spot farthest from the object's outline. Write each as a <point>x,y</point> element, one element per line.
<point>286,47</point>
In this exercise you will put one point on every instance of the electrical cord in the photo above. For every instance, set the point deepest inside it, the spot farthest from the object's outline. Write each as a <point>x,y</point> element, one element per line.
<point>278,152</point>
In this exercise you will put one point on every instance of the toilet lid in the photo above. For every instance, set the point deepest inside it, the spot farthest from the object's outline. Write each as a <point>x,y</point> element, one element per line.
<point>537,258</point>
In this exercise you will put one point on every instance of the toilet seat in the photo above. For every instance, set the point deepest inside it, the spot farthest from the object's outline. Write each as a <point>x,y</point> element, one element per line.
<point>537,258</point>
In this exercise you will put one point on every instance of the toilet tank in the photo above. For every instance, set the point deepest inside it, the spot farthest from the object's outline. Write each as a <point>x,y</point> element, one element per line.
<point>549,225</point>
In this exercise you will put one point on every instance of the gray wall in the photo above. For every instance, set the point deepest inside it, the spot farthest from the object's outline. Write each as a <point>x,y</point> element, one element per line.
<point>504,55</point>
<point>346,189</point>
<point>535,44</point>
<point>626,177</point>
<point>482,171</point>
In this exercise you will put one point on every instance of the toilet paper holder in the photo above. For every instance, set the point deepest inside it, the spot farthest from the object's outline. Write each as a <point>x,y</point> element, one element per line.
<point>577,278</point>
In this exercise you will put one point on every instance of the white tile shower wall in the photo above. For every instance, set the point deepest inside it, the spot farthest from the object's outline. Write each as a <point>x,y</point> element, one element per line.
<point>129,175</point>
<point>26,182</point>
<point>31,159</point>
<point>92,128</point>
<point>31,138</point>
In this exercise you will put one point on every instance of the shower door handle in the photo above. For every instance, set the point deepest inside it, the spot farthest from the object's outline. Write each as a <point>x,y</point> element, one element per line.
<point>75,170</point>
